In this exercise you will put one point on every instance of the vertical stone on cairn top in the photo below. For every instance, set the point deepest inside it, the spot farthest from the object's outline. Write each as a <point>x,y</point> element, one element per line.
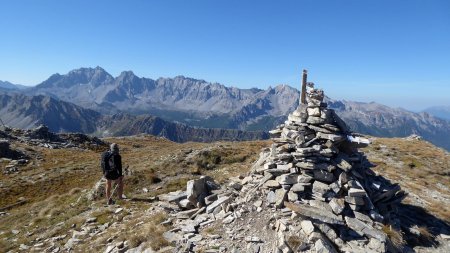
<point>304,82</point>
<point>273,151</point>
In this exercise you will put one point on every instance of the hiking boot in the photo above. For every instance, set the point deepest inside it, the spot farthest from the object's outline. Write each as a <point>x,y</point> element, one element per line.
<point>111,202</point>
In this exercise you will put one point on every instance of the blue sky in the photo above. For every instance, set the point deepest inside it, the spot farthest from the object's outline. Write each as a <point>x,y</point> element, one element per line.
<point>392,52</point>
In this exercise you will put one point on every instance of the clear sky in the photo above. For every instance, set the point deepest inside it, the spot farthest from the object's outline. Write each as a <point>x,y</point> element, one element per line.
<point>392,52</point>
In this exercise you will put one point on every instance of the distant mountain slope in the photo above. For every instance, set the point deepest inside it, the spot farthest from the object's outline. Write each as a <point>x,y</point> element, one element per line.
<point>5,85</point>
<point>442,112</point>
<point>22,111</point>
<point>27,112</point>
<point>383,121</point>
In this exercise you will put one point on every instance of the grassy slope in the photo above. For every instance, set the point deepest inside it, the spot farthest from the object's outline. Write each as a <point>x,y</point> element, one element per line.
<point>54,185</point>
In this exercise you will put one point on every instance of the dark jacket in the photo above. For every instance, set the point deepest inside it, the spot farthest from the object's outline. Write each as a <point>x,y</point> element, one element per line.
<point>111,165</point>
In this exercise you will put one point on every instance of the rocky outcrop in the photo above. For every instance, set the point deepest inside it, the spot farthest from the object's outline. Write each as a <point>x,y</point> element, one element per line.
<point>42,136</point>
<point>7,152</point>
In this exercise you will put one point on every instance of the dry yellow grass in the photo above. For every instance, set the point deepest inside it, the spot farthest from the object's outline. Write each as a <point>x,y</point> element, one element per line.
<point>294,242</point>
<point>395,236</point>
<point>418,166</point>
<point>59,172</point>
<point>55,185</point>
<point>425,235</point>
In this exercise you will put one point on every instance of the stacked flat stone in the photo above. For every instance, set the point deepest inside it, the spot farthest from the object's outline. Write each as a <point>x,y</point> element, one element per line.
<point>314,169</point>
<point>203,202</point>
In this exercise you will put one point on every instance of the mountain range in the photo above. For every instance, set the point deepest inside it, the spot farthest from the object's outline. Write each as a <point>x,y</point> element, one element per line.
<point>383,121</point>
<point>198,103</point>
<point>187,100</point>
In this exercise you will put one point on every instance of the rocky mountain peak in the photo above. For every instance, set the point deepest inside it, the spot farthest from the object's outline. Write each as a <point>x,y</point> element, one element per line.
<point>281,88</point>
<point>126,74</point>
<point>127,77</point>
<point>92,76</point>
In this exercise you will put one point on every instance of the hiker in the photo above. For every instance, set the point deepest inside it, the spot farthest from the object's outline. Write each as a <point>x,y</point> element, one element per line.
<point>112,171</point>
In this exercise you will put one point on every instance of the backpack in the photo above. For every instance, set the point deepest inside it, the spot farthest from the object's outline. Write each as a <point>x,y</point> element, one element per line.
<point>108,166</point>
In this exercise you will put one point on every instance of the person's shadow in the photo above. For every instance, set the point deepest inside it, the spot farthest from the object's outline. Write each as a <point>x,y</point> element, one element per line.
<point>414,217</point>
<point>419,226</point>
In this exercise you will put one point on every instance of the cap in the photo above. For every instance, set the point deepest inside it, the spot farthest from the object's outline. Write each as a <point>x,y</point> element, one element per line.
<point>114,147</point>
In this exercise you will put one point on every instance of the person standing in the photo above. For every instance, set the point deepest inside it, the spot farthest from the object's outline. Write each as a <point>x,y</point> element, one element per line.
<point>112,170</point>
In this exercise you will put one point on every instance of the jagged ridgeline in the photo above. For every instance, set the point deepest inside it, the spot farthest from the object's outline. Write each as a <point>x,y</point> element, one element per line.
<point>311,191</point>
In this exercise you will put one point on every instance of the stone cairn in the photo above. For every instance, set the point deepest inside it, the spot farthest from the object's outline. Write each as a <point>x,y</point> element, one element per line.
<point>313,173</point>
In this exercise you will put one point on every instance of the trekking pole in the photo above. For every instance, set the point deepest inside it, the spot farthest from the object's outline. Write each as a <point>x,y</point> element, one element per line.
<point>112,193</point>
